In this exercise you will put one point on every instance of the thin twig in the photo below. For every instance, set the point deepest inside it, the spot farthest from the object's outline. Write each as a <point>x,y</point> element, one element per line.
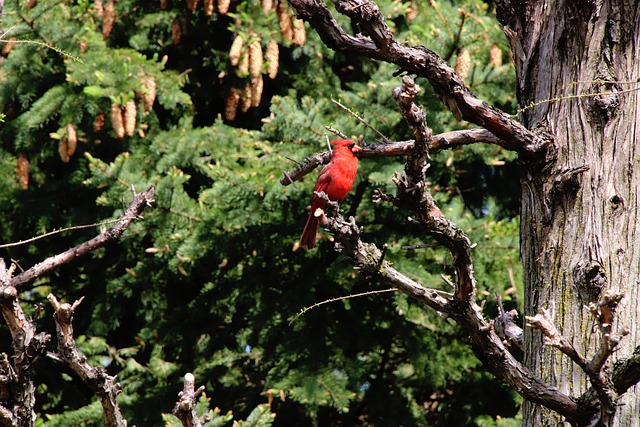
<point>298,162</point>
<point>552,337</point>
<point>62,230</point>
<point>361,120</point>
<point>456,42</point>
<point>420,246</point>
<point>286,174</point>
<point>578,96</point>
<point>318,304</point>
<point>448,281</point>
<point>140,201</point>
<point>336,131</point>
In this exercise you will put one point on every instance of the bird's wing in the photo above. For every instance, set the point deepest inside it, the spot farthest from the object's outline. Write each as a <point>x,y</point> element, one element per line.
<point>324,179</point>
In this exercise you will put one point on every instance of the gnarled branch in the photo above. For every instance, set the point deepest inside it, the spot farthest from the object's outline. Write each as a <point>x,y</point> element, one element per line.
<point>599,402</point>
<point>440,141</point>
<point>418,60</point>
<point>103,385</point>
<point>16,386</point>
<point>485,343</point>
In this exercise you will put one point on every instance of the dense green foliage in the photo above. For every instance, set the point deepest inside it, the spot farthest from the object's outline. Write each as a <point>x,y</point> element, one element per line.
<point>208,282</point>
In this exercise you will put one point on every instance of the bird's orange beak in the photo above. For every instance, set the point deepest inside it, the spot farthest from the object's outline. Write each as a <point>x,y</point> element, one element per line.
<point>356,148</point>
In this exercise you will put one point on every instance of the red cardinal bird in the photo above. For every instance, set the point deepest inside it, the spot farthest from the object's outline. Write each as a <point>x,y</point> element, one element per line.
<point>336,179</point>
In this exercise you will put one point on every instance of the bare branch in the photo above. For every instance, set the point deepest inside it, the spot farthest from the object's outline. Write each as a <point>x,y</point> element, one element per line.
<point>605,386</point>
<point>441,141</point>
<point>626,372</point>
<point>457,138</point>
<point>103,385</point>
<point>486,344</point>
<point>305,168</point>
<point>140,201</point>
<point>604,312</point>
<point>418,158</point>
<point>418,60</point>
<point>336,132</point>
<point>413,193</point>
<point>185,408</point>
<point>6,418</point>
<point>62,230</point>
<point>506,328</point>
<point>16,381</point>
<point>543,322</point>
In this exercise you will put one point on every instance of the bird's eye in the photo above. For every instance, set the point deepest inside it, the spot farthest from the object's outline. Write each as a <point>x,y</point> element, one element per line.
<point>351,146</point>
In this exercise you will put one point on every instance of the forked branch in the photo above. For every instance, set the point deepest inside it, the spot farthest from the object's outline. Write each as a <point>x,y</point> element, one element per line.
<point>103,385</point>
<point>606,385</point>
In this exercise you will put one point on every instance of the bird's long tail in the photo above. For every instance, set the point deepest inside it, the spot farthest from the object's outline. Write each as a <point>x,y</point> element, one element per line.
<point>308,238</point>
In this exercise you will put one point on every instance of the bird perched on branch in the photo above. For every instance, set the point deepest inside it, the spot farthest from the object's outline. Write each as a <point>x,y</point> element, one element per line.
<point>335,180</point>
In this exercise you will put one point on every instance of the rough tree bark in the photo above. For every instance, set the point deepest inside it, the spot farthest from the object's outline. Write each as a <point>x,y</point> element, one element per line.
<point>578,74</point>
<point>580,230</point>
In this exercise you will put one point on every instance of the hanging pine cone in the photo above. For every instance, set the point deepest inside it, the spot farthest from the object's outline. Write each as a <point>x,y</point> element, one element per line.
<point>257,85</point>
<point>209,7</point>
<point>243,65</point>
<point>299,36</point>
<point>284,19</point>
<point>412,13</point>
<point>272,55</point>
<point>231,104</point>
<point>130,113</point>
<point>495,56</point>
<point>164,4</point>
<point>176,32</point>
<point>22,171</point>
<point>98,8</point>
<point>148,95</point>
<point>463,64</point>
<point>63,150</point>
<point>7,47</point>
<point>72,139</point>
<point>108,19</point>
<point>98,122</point>
<point>223,6</point>
<point>245,98</point>
<point>236,50</point>
<point>117,120</point>
<point>255,58</point>
<point>267,5</point>
<point>192,5</point>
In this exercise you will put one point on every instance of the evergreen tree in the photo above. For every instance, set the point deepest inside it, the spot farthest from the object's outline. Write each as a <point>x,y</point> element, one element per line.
<point>101,97</point>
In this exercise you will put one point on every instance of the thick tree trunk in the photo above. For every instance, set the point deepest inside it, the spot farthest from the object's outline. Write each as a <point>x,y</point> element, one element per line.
<point>578,67</point>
